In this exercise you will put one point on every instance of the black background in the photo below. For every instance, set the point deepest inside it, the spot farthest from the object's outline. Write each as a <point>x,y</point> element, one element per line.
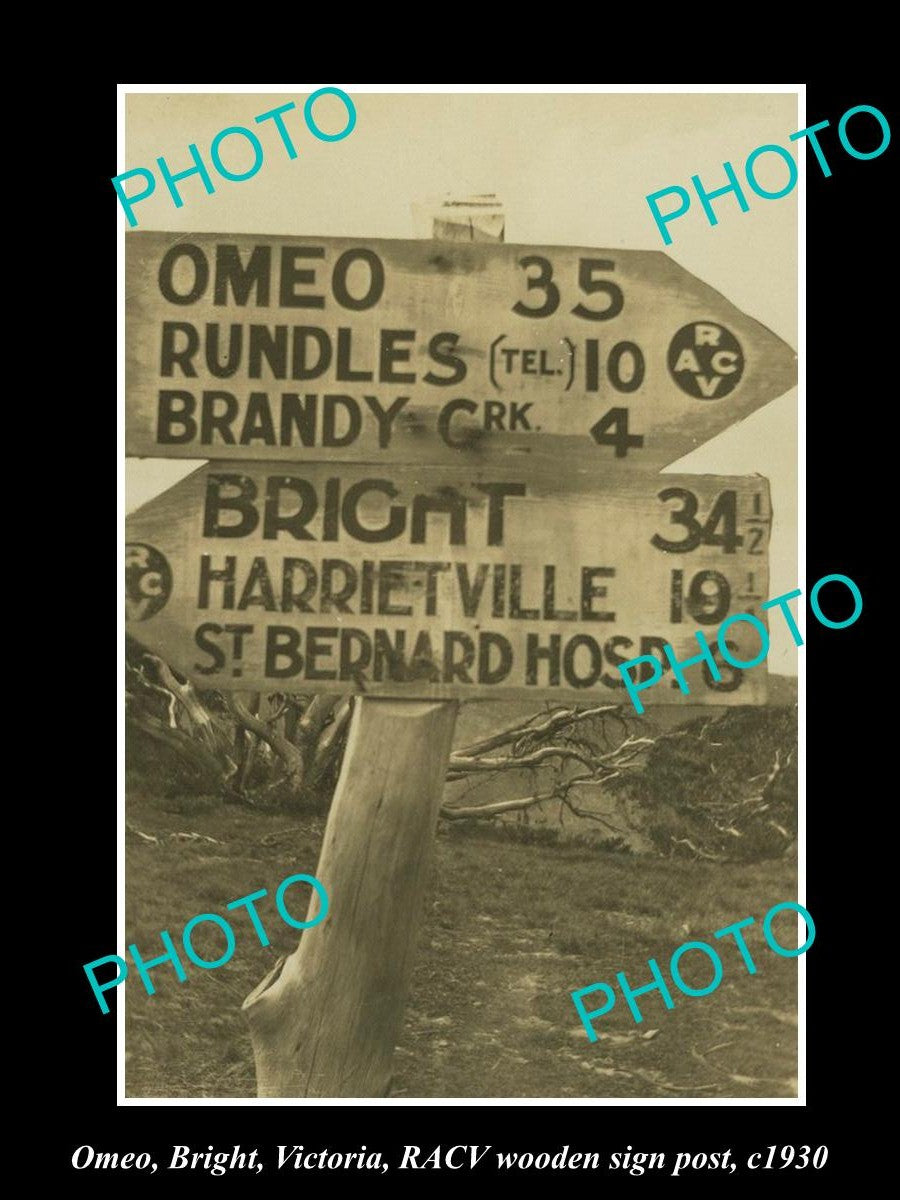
<point>850,389</point>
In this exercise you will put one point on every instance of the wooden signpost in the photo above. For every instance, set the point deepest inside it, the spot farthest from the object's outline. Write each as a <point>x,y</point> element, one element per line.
<point>460,582</point>
<point>435,479</point>
<point>365,350</point>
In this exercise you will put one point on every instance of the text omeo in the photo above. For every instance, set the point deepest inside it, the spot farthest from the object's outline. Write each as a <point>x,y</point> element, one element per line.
<point>300,353</point>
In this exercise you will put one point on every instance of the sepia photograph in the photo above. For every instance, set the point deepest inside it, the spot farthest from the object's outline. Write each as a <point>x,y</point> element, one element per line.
<point>464,606</point>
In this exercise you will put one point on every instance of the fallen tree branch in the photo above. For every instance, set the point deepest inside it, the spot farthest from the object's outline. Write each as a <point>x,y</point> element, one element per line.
<point>215,771</point>
<point>292,758</point>
<point>497,808</point>
<point>329,741</point>
<point>587,815</point>
<point>556,721</point>
<point>479,811</point>
<point>169,699</point>
<point>314,718</point>
<point>193,706</point>
<point>460,766</point>
<point>632,747</point>
<point>700,853</point>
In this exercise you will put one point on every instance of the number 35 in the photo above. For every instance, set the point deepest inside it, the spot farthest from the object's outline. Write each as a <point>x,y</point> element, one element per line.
<point>542,281</point>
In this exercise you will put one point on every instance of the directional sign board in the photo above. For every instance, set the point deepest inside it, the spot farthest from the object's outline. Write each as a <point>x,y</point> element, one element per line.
<point>444,582</point>
<point>309,348</point>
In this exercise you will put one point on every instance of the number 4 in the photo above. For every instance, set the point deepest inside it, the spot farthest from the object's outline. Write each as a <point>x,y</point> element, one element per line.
<point>616,420</point>
<point>724,513</point>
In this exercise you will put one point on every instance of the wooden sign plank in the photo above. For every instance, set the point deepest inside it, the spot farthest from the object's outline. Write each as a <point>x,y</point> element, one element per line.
<point>447,582</point>
<point>305,349</point>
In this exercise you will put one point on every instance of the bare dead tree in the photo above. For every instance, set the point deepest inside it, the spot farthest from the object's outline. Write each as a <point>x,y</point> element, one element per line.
<point>250,747</point>
<point>703,796</point>
<point>552,744</point>
<point>734,817</point>
<point>286,749</point>
<point>294,741</point>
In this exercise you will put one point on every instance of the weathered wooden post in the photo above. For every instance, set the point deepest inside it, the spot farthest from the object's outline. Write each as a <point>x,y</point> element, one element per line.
<point>521,506</point>
<point>325,1021</point>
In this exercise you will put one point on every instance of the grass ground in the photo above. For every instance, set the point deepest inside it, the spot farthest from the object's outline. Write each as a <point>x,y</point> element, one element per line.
<point>509,930</point>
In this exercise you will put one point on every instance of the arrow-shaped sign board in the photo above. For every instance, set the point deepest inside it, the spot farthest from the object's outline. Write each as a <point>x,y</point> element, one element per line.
<point>392,352</point>
<point>447,582</point>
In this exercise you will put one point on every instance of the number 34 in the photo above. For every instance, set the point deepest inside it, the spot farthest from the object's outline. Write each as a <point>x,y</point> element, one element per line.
<point>723,513</point>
